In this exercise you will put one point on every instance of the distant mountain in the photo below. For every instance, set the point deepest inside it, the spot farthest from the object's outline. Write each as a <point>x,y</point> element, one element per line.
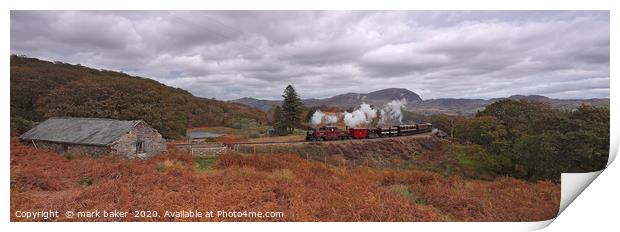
<point>347,100</point>
<point>460,106</point>
<point>264,105</point>
<point>387,95</point>
<point>530,97</point>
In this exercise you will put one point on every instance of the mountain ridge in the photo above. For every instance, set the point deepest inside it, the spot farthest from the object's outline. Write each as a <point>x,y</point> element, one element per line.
<point>461,106</point>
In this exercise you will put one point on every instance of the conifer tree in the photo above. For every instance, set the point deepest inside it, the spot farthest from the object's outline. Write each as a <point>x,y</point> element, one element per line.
<point>292,108</point>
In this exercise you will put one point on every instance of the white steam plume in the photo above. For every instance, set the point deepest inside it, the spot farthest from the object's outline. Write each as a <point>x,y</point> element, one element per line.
<point>368,111</point>
<point>331,119</point>
<point>392,112</point>
<point>317,117</point>
<point>363,115</point>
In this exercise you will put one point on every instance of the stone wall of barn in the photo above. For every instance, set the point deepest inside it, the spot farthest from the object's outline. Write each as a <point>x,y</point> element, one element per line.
<point>152,143</point>
<point>62,148</point>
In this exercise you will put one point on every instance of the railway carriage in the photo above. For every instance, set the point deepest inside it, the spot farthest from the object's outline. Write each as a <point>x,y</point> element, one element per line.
<point>359,133</point>
<point>425,127</point>
<point>407,129</point>
<point>334,133</point>
<point>385,131</point>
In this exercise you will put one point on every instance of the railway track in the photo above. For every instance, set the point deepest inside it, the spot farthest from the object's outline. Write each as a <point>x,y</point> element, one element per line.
<point>426,134</point>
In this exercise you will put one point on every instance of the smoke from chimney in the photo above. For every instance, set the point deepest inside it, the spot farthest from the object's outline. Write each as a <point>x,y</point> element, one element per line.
<point>390,113</point>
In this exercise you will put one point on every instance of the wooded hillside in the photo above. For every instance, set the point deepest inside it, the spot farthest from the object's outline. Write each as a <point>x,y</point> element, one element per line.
<point>42,89</point>
<point>530,139</point>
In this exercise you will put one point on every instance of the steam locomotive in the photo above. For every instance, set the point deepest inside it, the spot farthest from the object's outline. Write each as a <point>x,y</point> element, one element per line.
<point>334,133</point>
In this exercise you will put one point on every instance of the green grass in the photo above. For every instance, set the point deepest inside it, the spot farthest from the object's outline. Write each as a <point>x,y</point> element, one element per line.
<point>204,163</point>
<point>69,156</point>
<point>247,128</point>
<point>464,160</point>
<point>421,201</point>
<point>298,131</point>
<point>408,194</point>
<point>470,161</point>
<point>401,190</point>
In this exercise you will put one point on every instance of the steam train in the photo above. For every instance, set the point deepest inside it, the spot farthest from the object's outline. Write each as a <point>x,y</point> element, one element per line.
<point>334,133</point>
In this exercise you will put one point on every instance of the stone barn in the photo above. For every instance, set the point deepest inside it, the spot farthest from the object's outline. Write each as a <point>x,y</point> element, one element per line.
<point>96,136</point>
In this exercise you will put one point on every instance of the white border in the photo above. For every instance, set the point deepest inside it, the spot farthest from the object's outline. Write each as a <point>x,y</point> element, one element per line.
<point>602,187</point>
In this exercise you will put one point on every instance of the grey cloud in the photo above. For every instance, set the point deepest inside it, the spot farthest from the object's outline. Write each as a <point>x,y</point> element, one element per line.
<point>233,54</point>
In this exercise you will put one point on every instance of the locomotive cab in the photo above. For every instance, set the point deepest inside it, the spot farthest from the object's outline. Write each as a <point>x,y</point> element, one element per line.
<point>310,134</point>
<point>326,133</point>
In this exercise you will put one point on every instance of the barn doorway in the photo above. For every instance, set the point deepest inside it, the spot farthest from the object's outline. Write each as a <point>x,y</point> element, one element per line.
<point>140,147</point>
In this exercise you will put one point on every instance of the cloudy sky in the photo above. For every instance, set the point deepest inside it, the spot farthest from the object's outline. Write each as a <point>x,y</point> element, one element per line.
<point>233,54</point>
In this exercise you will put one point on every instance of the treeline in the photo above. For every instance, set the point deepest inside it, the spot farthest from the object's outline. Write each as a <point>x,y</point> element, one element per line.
<point>530,140</point>
<point>42,89</point>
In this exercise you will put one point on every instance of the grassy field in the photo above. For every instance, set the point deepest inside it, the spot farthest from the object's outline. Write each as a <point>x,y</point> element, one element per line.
<point>216,129</point>
<point>287,138</point>
<point>303,190</point>
<point>255,134</point>
<point>243,131</point>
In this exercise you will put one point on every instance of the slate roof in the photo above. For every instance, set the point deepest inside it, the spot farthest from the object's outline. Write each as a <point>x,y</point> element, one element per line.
<point>88,131</point>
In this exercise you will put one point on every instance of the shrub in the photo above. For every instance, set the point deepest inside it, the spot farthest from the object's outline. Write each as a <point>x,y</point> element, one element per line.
<point>204,163</point>
<point>20,125</point>
<point>169,165</point>
<point>69,156</point>
<point>404,191</point>
<point>86,181</point>
<point>281,174</point>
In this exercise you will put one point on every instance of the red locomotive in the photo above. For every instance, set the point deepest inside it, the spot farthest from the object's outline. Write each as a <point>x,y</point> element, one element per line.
<point>326,133</point>
<point>334,133</point>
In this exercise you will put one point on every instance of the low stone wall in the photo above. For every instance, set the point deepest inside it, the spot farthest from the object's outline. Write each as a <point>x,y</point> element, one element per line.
<point>63,148</point>
<point>204,150</point>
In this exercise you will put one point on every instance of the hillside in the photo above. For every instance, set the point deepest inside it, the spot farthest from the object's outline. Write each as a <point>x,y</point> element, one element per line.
<point>415,104</point>
<point>42,89</point>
